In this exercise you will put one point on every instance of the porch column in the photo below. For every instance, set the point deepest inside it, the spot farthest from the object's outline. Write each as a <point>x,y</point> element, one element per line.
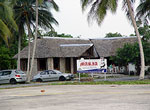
<point>50,63</point>
<point>72,66</point>
<point>62,64</point>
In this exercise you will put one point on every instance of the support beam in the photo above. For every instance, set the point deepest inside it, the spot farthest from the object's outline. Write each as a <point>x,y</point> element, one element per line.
<point>62,64</point>
<point>72,66</point>
<point>50,63</point>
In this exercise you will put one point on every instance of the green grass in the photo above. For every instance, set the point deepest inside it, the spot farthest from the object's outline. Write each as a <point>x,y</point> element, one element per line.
<point>137,82</point>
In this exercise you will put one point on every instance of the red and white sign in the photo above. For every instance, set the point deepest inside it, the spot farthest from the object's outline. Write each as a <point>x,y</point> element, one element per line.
<point>91,65</point>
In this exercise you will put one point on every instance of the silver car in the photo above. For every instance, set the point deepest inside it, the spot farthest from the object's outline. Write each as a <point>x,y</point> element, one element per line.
<point>51,75</point>
<point>12,76</point>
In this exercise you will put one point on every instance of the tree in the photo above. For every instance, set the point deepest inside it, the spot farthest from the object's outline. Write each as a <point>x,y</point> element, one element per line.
<point>55,34</point>
<point>7,23</point>
<point>25,15</point>
<point>36,29</point>
<point>128,54</point>
<point>98,11</point>
<point>113,35</point>
<point>143,11</point>
<point>144,31</point>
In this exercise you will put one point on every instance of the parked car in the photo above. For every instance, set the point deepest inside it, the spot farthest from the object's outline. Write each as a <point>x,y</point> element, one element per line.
<point>12,76</point>
<point>50,75</point>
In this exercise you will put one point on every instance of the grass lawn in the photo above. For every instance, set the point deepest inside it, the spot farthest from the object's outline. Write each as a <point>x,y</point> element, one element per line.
<point>136,82</point>
<point>104,83</point>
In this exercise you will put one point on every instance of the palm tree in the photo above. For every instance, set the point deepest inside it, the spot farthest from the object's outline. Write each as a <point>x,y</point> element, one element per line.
<point>35,40</point>
<point>25,15</point>
<point>143,10</point>
<point>98,11</point>
<point>7,23</point>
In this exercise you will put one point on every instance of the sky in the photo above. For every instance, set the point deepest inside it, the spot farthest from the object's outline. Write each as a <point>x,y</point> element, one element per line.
<point>73,21</point>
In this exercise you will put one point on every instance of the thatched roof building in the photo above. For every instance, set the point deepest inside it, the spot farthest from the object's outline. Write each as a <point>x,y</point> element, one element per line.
<point>71,47</point>
<point>59,47</point>
<point>62,53</point>
<point>107,47</point>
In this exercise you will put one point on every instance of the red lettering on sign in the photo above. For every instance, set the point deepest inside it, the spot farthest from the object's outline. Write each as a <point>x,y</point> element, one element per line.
<point>88,64</point>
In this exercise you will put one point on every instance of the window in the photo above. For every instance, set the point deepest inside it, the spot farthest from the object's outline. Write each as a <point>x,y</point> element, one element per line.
<point>5,73</point>
<point>57,72</point>
<point>42,64</point>
<point>23,64</point>
<point>1,73</point>
<point>53,72</point>
<point>56,63</point>
<point>43,73</point>
<point>19,72</point>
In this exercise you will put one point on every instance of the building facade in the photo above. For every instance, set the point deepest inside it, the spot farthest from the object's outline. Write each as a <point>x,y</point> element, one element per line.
<point>62,53</point>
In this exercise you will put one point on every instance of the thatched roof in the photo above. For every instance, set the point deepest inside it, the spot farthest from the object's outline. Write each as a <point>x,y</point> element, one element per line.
<point>107,46</point>
<point>58,47</point>
<point>70,47</point>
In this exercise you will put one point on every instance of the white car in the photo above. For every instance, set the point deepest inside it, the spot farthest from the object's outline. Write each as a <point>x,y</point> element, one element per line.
<point>51,75</point>
<point>12,76</point>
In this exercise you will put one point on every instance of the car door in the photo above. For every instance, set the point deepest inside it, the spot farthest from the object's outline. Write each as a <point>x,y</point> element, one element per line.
<point>44,76</point>
<point>52,75</point>
<point>5,76</point>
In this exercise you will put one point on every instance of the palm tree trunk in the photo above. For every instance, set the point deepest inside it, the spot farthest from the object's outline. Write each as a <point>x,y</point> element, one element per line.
<point>35,39</point>
<point>29,48</point>
<point>19,48</point>
<point>142,72</point>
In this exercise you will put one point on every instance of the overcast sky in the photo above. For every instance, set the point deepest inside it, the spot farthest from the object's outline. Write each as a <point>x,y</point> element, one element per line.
<point>73,21</point>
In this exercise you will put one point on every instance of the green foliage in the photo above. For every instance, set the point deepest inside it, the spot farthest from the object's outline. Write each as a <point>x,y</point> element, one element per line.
<point>137,82</point>
<point>132,35</point>
<point>129,53</point>
<point>6,54</point>
<point>83,75</point>
<point>6,61</point>
<point>143,10</point>
<point>65,35</point>
<point>99,8</point>
<point>7,23</point>
<point>55,34</point>
<point>146,47</point>
<point>25,14</point>
<point>113,35</point>
<point>145,32</point>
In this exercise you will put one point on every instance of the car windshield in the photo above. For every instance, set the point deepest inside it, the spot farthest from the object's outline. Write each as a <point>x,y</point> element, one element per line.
<point>58,72</point>
<point>19,72</point>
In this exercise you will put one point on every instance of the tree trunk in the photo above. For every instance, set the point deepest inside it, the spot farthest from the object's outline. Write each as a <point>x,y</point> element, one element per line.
<point>29,50</point>
<point>19,48</point>
<point>142,72</point>
<point>35,39</point>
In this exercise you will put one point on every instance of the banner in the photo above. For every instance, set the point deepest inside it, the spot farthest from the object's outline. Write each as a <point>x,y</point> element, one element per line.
<point>92,65</point>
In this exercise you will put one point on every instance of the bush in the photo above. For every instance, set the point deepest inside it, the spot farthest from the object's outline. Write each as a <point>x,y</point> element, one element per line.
<point>83,75</point>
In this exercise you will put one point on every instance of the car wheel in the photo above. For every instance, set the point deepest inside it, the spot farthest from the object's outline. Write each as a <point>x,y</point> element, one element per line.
<point>39,80</point>
<point>13,81</point>
<point>62,78</point>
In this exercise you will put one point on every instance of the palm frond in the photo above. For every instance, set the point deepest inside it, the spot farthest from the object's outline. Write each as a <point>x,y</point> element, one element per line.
<point>4,31</point>
<point>99,9</point>
<point>143,11</point>
<point>85,4</point>
<point>125,8</point>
